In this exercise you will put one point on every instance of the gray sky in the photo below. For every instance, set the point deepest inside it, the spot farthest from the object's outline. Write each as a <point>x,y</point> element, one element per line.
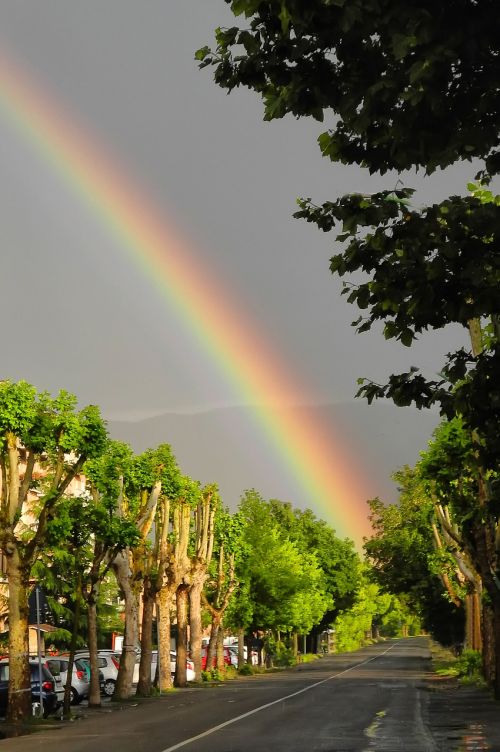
<point>85,318</point>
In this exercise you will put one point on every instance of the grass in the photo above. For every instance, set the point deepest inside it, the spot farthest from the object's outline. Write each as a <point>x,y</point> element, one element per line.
<point>466,668</point>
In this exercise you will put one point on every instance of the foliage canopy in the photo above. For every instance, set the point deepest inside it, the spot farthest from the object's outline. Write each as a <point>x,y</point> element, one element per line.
<point>402,85</point>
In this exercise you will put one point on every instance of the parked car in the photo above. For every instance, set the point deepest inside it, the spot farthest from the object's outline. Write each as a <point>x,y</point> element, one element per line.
<point>190,675</point>
<point>234,655</point>
<point>228,657</point>
<point>58,685</point>
<point>58,664</point>
<point>49,696</point>
<point>108,663</point>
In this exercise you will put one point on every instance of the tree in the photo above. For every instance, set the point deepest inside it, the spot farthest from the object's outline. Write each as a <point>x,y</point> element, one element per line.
<point>402,86</point>
<point>221,579</point>
<point>176,581</point>
<point>107,533</point>
<point>373,612</point>
<point>405,92</point>
<point>449,467</point>
<point>137,504</point>
<point>289,595</point>
<point>44,443</point>
<point>337,559</point>
<point>403,557</point>
<point>158,467</point>
<point>200,554</point>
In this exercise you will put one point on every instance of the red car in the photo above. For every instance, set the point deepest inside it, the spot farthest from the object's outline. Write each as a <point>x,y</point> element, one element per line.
<point>227,658</point>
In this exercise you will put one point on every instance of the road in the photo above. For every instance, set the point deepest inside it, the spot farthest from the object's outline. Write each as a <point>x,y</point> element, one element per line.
<point>369,701</point>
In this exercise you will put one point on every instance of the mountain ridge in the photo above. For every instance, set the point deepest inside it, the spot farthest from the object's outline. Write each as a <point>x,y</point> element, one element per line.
<point>224,444</point>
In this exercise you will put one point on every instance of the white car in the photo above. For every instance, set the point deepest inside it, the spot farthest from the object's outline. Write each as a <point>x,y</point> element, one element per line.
<point>108,663</point>
<point>58,666</point>
<point>190,675</point>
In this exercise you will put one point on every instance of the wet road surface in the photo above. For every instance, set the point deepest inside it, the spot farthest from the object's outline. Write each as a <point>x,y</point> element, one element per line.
<point>374,700</point>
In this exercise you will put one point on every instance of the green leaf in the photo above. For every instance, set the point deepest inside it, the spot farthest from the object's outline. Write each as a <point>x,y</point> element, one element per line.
<point>202,53</point>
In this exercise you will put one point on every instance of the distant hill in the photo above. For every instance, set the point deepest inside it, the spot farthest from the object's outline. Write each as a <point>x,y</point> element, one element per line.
<point>225,446</point>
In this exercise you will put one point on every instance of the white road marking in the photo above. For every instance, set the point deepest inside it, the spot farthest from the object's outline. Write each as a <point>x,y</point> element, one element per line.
<point>270,704</point>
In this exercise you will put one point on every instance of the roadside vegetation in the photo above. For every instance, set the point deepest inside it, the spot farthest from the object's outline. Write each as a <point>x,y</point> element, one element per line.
<point>400,88</point>
<point>114,537</point>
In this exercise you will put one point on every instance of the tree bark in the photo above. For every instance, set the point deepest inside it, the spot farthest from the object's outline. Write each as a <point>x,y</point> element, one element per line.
<point>220,648</point>
<point>72,648</point>
<point>94,690</point>
<point>123,574</point>
<point>195,625</point>
<point>148,604</point>
<point>241,647</point>
<point>164,602</point>
<point>212,643</point>
<point>19,674</point>
<point>182,622</point>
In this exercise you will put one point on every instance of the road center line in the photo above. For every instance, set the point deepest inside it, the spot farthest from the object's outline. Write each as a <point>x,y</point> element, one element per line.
<point>270,704</point>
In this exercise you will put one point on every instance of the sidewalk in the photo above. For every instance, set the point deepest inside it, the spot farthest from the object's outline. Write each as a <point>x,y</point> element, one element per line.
<point>461,718</point>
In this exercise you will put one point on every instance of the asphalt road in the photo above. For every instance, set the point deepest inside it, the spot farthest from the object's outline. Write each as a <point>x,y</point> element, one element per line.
<point>369,701</point>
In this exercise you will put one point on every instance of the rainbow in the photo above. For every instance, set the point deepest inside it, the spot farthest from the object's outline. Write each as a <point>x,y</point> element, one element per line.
<point>328,479</point>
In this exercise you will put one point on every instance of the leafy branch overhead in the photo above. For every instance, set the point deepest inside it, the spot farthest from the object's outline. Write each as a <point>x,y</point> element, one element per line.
<point>425,268</point>
<point>399,84</point>
<point>402,86</point>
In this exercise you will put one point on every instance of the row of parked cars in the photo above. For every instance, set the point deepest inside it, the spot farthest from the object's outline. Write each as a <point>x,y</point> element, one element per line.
<point>49,696</point>
<point>53,672</point>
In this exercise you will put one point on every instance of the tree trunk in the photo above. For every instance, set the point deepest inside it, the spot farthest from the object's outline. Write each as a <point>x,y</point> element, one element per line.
<point>195,625</point>
<point>19,675</point>
<point>220,648</point>
<point>295,643</point>
<point>473,639</point>
<point>164,602</point>
<point>148,604</point>
<point>123,574</point>
<point>72,648</point>
<point>94,691</point>
<point>488,638</point>
<point>241,647</point>
<point>477,642</point>
<point>182,622</point>
<point>212,643</point>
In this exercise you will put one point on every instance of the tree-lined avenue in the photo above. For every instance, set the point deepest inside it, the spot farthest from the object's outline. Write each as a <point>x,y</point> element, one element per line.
<point>370,699</point>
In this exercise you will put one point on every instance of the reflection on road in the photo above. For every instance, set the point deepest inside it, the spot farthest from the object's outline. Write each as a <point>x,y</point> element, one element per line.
<point>474,740</point>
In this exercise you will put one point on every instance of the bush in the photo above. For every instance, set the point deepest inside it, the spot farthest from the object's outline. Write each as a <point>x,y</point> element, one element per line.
<point>470,665</point>
<point>284,656</point>
<point>308,657</point>
<point>246,670</point>
<point>213,675</point>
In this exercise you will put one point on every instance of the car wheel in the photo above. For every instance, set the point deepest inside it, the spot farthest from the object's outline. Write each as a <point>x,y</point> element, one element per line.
<point>75,697</point>
<point>109,687</point>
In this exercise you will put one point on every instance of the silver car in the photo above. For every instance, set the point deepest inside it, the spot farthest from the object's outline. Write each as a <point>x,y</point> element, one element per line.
<point>58,665</point>
<point>108,663</point>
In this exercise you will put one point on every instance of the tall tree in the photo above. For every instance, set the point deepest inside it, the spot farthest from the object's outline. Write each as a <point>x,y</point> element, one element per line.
<point>201,550</point>
<point>222,581</point>
<point>450,468</point>
<point>108,533</point>
<point>337,558</point>
<point>403,91</point>
<point>44,442</point>
<point>404,560</point>
<point>155,556</point>
<point>138,504</point>
<point>290,595</point>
